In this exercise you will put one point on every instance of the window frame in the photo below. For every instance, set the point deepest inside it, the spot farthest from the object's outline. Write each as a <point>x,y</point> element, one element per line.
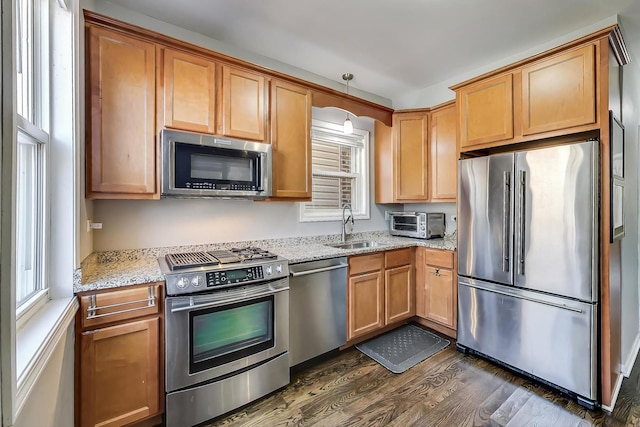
<point>36,128</point>
<point>363,189</point>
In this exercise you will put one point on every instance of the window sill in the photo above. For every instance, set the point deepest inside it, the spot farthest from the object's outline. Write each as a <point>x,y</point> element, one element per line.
<point>37,339</point>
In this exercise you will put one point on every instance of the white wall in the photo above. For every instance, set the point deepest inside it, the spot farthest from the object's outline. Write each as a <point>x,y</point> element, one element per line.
<point>50,403</point>
<point>111,9</point>
<point>133,224</point>
<point>630,295</point>
<point>440,92</point>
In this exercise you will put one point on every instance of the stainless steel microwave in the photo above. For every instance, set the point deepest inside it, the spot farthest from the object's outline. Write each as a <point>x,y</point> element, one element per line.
<point>198,165</point>
<point>417,224</point>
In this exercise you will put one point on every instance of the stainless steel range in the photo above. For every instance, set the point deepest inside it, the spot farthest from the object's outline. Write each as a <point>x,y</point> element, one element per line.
<point>227,331</point>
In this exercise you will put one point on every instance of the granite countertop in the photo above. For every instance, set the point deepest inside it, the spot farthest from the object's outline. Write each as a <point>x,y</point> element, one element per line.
<point>112,269</point>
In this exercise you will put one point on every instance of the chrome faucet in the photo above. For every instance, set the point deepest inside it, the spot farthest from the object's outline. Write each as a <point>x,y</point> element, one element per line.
<point>345,221</point>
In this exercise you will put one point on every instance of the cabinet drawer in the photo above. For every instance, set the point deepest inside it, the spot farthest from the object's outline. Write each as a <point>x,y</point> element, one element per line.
<point>398,257</point>
<point>438,258</point>
<point>100,308</point>
<point>365,263</point>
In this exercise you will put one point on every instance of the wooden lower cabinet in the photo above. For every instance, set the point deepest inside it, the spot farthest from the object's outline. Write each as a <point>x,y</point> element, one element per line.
<point>120,363</point>
<point>380,291</point>
<point>119,375</point>
<point>398,286</point>
<point>438,295</point>
<point>365,304</point>
<point>436,288</point>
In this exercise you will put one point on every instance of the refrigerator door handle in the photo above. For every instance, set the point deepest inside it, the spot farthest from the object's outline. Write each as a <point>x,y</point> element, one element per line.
<point>523,297</point>
<point>506,214</point>
<point>521,221</point>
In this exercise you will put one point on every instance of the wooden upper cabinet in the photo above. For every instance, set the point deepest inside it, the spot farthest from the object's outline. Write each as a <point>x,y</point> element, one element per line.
<point>559,92</point>
<point>485,111</point>
<point>410,151</point>
<point>189,92</point>
<point>121,144</point>
<point>243,112</point>
<point>291,140</point>
<point>120,374</point>
<point>383,162</point>
<point>443,163</point>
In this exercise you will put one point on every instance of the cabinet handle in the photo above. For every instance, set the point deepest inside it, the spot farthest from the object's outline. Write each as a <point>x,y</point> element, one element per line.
<point>93,307</point>
<point>437,272</point>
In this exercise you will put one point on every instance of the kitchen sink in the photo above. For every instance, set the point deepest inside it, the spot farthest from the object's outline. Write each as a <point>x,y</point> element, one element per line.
<point>356,245</point>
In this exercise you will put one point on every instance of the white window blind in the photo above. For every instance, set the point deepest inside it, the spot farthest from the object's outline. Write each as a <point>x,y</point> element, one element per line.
<point>339,173</point>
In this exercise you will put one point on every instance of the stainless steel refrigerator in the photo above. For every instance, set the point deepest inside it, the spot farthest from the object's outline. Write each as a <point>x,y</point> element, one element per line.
<point>528,263</point>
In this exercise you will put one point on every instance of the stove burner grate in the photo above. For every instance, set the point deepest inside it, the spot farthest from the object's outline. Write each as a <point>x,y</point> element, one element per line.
<point>190,259</point>
<point>204,259</point>
<point>252,252</point>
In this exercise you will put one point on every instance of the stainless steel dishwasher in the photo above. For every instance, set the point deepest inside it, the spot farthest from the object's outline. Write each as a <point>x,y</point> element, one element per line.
<point>317,308</point>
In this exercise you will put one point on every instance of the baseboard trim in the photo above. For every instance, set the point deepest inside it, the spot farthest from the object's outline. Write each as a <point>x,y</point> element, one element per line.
<point>616,390</point>
<point>631,358</point>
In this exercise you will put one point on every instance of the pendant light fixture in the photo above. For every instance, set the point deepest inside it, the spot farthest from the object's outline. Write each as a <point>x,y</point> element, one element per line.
<point>348,126</point>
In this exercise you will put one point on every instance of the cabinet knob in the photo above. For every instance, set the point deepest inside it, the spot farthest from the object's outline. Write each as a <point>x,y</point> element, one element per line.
<point>437,271</point>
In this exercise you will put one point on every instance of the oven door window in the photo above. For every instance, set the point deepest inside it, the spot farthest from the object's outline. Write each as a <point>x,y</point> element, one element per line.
<point>405,223</point>
<point>196,164</point>
<point>223,334</point>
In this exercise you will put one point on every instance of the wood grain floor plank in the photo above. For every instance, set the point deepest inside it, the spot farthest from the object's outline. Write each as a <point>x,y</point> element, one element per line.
<point>447,389</point>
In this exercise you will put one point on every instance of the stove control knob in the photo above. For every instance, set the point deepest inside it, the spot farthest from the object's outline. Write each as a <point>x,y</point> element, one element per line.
<point>196,281</point>
<point>182,283</point>
<point>268,270</point>
<point>279,268</point>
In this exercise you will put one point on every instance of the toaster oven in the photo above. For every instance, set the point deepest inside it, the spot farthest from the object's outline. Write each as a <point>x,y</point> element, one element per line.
<point>420,225</point>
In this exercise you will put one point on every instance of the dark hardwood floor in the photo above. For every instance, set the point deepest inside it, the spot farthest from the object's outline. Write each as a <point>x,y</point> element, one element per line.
<point>447,389</point>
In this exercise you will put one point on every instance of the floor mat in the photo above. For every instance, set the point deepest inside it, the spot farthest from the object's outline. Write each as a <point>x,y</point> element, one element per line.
<point>402,348</point>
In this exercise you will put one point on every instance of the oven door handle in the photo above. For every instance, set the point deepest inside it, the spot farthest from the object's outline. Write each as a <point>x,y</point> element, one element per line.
<point>195,306</point>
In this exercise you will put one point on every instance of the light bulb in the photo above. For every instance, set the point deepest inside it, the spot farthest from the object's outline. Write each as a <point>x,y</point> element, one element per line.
<point>348,126</point>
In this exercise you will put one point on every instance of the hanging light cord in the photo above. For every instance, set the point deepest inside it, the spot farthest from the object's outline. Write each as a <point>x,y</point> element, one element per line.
<point>348,126</point>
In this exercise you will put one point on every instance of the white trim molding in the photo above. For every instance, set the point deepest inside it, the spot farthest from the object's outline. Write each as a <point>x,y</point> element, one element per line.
<point>616,390</point>
<point>631,357</point>
<point>36,342</point>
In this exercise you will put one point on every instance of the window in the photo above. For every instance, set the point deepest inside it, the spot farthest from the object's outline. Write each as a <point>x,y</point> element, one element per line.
<point>31,150</point>
<point>340,173</point>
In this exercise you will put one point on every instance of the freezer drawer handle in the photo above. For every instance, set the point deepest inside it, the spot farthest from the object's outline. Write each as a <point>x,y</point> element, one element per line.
<point>521,220</point>
<point>505,221</point>
<point>317,270</point>
<point>552,304</point>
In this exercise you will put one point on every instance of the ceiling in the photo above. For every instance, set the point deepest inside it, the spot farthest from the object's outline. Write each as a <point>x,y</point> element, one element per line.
<point>392,47</point>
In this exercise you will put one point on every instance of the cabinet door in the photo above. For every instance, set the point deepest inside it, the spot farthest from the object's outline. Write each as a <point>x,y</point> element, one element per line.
<point>443,163</point>
<point>410,150</point>
<point>189,92</point>
<point>121,144</point>
<point>365,304</point>
<point>119,374</point>
<point>398,290</point>
<point>291,140</point>
<point>559,92</point>
<point>243,104</point>
<point>439,295</point>
<point>485,111</point>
